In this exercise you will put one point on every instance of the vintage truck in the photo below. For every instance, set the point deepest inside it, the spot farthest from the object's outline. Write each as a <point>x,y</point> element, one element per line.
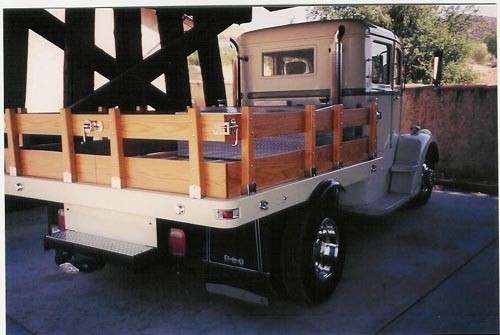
<point>260,190</point>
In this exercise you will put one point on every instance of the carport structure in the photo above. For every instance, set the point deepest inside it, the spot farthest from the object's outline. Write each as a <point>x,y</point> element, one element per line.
<point>130,75</point>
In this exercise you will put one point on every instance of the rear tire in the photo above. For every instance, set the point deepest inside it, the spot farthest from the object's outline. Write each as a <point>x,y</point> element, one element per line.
<point>312,258</point>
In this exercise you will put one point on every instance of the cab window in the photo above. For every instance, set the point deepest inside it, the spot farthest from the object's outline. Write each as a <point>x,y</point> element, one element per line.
<point>285,63</point>
<point>380,63</point>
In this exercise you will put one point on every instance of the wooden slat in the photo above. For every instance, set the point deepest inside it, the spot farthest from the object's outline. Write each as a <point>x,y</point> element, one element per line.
<point>211,121</point>
<point>157,174</point>
<point>222,179</point>
<point>247,149</point>
<point>39,124</point>
<point>324,120</point>
<point>68,147</point>
<point>337,136</point>
<point>162,127</point>
<point>324,161</point>
<point>12,159</point>
<point>373,130</point>
<point>310,141</point>
<point>93,169</point>
<point>277,169</point>
<point>355,151</point>
<point>44,164</point>
<point>118,179</point>
<point>278,123</point>
<point>196,173</point>
<point>355,117</point>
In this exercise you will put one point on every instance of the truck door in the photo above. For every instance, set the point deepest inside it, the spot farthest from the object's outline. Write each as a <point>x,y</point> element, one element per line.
<point>380,89</point>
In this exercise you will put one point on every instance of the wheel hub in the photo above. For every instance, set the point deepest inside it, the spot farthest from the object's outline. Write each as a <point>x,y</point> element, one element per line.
<point>326,249</point>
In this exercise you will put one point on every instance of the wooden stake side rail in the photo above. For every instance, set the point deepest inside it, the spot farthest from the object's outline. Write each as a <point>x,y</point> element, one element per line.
<point>195,175</point>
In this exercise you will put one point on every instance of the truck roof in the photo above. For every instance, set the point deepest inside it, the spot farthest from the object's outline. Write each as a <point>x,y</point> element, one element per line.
<point>313,29</point>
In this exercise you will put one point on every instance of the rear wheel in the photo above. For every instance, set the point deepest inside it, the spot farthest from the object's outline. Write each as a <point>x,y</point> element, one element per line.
<point>313,252</point>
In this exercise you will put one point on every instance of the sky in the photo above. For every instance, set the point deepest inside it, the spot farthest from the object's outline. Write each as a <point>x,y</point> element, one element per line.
<point>263,18</point>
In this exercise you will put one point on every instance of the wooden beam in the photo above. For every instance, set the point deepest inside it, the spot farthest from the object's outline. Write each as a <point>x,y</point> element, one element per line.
<point>15,33</point>
<point>79,40</point>
<point>151,67</point>
<point>248,185</point>
<point>196,171</point>
<point>164,127</point>
<point>355,151</point>
<point>128,45</point>
<point>13,158</point>
<point>68,147</point>
<point>118,179</point>
<point>43,164</point>
<point>337,136</point>
<point>310,141</point>
<point>211,65</point>
<point>171,27</point>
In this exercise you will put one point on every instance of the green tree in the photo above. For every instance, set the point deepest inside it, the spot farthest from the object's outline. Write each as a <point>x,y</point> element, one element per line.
<point>491,43</point>
<point>422,29</point>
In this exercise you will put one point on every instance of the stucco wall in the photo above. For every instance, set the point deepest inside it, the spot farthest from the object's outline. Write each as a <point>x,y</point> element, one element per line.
<point>464,121</point>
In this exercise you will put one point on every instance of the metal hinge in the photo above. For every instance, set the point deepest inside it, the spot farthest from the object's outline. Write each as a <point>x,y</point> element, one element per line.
<point>228,128</point>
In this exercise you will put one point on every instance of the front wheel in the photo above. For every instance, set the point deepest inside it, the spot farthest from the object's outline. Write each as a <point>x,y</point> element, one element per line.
<point>313,253</point>
<point>426,185</point>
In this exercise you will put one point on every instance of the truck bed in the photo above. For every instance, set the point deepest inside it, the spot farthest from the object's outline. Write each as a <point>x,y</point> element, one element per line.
<point>193,153</point>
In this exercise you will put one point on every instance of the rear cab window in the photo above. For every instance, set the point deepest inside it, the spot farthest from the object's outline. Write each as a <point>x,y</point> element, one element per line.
<point>288,62</point>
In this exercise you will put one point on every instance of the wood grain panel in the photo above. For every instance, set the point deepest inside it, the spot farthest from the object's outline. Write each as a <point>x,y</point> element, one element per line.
<point>278,123</point>
<point>277,169</point>
<point>355,117</point>
<point>162,127</point>
<point>355,151</point>
<point>45,164</point>
<point>324,160</point>
<point>40,124</point>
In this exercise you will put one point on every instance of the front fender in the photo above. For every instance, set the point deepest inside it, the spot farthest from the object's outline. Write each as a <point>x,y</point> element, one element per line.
<point>411,152</point>
<point>413,149</point>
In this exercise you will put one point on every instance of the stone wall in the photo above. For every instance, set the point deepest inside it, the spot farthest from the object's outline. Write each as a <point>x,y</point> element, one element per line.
<point>464,121</point>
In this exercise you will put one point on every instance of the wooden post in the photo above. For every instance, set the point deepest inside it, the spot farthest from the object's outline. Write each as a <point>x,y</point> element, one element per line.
<point>196,173</point>
<point>337,136</point>
<point>116,145</point>
<point>310,141</point>
<point>13,158</point>
<point>15,39</point>
<point>373,131</point>
<point>68,147</point>
<point>128,45</point>
<point>210,62</point>
<point>79,40</point>
<point>171,27</point>
<point>248,185</point>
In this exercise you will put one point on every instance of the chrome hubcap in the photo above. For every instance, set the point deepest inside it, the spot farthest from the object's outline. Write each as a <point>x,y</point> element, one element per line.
<point>326,249</point>
<point>427,178</point>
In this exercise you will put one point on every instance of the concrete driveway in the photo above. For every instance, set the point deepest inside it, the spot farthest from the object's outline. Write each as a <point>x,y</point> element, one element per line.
<point>423,270</point>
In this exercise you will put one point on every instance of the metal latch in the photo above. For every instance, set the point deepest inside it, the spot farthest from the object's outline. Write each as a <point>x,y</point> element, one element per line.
<point>228,128</point>
<point>90,126</point>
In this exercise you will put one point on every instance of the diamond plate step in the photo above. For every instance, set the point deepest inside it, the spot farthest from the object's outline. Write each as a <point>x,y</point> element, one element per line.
<point>96,245</point>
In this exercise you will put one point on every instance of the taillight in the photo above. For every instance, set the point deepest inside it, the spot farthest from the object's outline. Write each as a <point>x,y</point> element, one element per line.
<point>61,222</point>
<point>227,214</point>
<point>177,242</point>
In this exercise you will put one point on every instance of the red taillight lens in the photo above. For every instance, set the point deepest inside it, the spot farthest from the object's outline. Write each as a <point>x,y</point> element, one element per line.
<point>61,222</point>
<point>227,214</point>
<point>177,242</point>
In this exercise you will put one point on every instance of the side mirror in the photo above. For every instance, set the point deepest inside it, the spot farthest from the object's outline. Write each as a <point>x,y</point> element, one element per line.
<point>437,71</point>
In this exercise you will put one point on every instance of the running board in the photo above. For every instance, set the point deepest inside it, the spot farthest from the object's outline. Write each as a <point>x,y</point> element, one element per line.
<point>382,206</point>
<point>102,247</point>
